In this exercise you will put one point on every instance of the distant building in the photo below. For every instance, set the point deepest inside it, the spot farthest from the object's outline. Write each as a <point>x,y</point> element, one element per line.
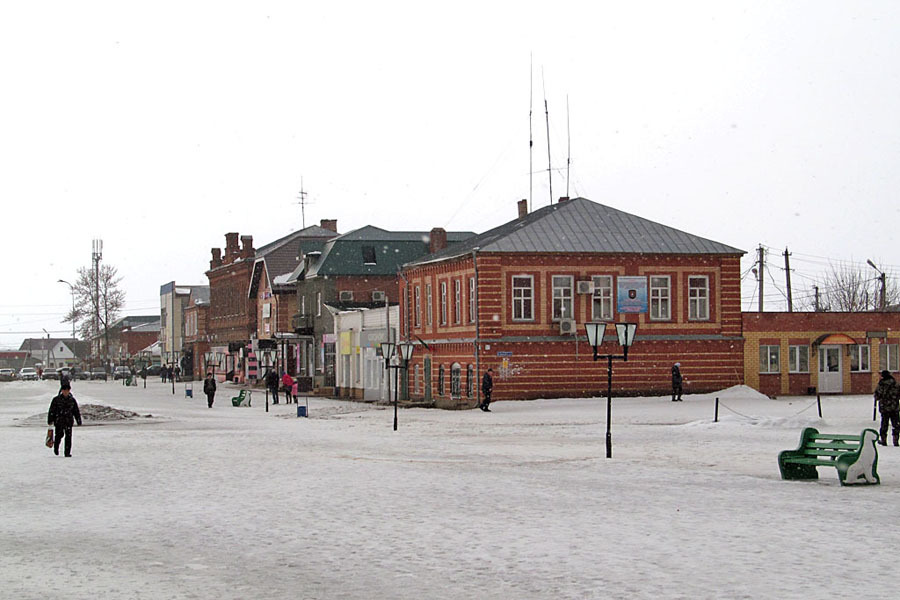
<point>52,353</point>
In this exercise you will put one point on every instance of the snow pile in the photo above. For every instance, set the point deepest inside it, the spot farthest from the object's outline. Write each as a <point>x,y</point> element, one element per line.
<point>99,412</point>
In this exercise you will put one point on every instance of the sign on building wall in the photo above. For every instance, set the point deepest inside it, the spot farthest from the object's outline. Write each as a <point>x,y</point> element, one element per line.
<point>631,294</point>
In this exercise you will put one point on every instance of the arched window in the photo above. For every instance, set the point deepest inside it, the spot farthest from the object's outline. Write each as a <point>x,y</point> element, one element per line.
<point>470,380</point>
<point>440,380</point>
<point>455,380</point>
<point>417,379</point>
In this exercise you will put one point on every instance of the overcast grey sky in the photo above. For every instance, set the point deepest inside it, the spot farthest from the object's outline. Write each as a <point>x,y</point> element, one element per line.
<point>160,128</point>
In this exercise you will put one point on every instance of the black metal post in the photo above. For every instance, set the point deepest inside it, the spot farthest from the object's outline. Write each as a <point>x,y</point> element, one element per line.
<point>819,402</point>
<point>609,406</point>
<point>716,420</point>
<point>396,388</point>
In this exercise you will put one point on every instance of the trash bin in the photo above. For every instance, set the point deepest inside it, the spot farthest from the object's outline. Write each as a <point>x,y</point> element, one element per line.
<point>301,410</point>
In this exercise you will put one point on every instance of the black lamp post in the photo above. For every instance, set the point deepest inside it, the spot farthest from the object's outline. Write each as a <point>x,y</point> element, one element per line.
<point>625,334</point>
<point>405,349</point>
<point>387,352</point>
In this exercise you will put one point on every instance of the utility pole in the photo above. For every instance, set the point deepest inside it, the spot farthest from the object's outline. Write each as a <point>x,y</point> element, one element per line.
<point>882,278</point>
<point>96,257</point>
<point>816,289</point>
<point>787,275</point>
<point>302,203</point>
<point>762,273</point>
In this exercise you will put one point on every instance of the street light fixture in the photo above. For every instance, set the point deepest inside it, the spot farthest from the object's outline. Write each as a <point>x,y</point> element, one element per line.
<point>387,352</point>
<point>882,277</point>
<point>625,335</point>
<point>72,291</point>
<point>405,350</point>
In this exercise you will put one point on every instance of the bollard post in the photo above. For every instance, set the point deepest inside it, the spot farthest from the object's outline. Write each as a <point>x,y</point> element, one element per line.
<point>717,411</point>
<point>819,402</point>
<point>267,398</point>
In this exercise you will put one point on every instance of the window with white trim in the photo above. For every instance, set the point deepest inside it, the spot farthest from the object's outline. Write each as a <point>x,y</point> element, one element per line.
<point>798,359</point>
<point>888,357</point>
<point>471,300</point>
<point>417,295</point>
<point>562,297</point>
<point>602,305</point>
<point>523,298</point>
<point>457,301</point>
<point>859,358</point>
<point>455,380</point>
<point>770,359</point>
<point>318,304</point>
<point>660,298</point>
<point>429,305</point>
<point>698,298</point>
<point>443,303</point>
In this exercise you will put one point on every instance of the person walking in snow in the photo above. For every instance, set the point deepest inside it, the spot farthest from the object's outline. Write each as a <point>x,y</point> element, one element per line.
<point>676,382</point>
<point>63,414</point>
<point>209,388</point>
<point>163,372</point>
<point>288,386</point>
<point>272,385</point>
<point>887,393</point>
<point>487,387</point>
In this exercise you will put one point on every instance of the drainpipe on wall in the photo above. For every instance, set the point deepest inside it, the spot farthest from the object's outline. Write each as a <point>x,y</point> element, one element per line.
<point>477,331</point>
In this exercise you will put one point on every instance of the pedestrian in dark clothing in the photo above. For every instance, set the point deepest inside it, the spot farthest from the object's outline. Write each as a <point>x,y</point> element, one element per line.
<point>177,373</point>
<point>163,372</point>
<point>487,386</point>
<point>272,384</point>
<point>887,393</point>
<point>676,382</point>
<point>171,373</point>
<point>209,388</point>
<point>63,414</point>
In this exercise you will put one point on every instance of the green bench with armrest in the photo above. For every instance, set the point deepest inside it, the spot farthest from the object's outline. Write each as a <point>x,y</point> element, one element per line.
<point>854,456</point>
<point>244,396</point>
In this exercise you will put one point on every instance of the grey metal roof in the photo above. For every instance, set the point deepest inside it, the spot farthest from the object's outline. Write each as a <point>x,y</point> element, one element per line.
<point>579,225</point>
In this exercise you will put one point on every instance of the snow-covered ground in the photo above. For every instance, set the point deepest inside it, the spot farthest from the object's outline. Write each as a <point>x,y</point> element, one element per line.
<point>517,503</point>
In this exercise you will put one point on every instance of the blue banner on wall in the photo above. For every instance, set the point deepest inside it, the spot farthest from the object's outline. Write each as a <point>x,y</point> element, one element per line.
<point>631,294</point>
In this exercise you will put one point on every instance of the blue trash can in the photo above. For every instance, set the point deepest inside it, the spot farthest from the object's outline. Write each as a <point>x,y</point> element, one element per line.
<point>301,410</point>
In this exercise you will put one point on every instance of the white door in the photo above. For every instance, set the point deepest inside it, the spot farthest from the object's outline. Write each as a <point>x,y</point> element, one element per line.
<point>830,376</point>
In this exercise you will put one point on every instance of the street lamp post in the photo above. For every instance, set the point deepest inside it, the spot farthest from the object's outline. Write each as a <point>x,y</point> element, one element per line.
<point>882,277</point>
<point>71,291</point>
<point>387,352</point>
<point>625,334</point>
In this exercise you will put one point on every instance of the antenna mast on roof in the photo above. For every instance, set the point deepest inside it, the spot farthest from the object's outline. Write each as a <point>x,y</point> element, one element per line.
<point>547,116</point>
<point>302,203</point>
<point>530,136</point>
<point>569,146</point>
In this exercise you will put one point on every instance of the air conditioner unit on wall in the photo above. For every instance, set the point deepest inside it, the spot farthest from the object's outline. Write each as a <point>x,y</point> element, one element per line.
<point>346,296</point>
<point>377,296</point>
<point>567,326</point>
<point>585,287</point>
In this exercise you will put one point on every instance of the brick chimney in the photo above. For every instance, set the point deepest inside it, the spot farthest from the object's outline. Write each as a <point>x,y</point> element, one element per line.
<point>523,208</point>
<point>563,199</point>
<point>247,250</point>
<point>437,241</point>
<point>216,258</point>
<point>231,247</point>
<point>329,224</point>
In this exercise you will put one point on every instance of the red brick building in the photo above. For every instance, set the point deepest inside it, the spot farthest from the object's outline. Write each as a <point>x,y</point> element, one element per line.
<point>232,313</point>
<point>196,332</point>
<point>516,298</point>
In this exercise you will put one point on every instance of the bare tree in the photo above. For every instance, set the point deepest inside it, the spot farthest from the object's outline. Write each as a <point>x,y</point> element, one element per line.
<point>98,301</point>
<point>850,289</point>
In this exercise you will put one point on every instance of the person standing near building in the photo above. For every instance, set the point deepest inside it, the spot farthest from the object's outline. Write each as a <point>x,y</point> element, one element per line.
<point>163,372</point>
<point>487,387</point>
<point>887,393</point>
<point>287,383</point>
<point>676,382</point>
<point>63,414</point>
<point>209,388</point>
<point>272,385</point>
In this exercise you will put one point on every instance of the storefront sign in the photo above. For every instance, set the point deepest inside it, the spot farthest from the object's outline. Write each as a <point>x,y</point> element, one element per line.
<point>631,296</point>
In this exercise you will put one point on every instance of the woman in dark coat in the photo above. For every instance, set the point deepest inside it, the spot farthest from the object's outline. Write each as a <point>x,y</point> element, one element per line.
<point>209,388</point>
<point>62,416</point>
<point>676,382</point>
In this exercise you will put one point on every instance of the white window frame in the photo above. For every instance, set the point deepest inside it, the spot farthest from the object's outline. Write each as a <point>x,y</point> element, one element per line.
<point>698,298</point>
<point>861,355</point>
<point>563,297</point>
<point>522,298</point>
<point>429,305</point>
<point>889,357</point>
<point>443,312</point>
<point>417,306</point>
<point>471,300</point>
<point>457,301</point>
<point>795,353</point>
<point>766,365</point>
<point>660,298</point>
<point>318,304</point>
<point>602,297</point>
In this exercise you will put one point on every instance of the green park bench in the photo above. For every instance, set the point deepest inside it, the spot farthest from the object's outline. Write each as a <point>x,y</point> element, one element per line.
<point>854,456</point>
<point>242,397</point>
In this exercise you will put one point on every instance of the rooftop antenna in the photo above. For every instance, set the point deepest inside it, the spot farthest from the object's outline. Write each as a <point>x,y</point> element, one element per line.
<point>569,146</point>
<point>547,116</point>
<point>530,136</point>
<point>302,203</point>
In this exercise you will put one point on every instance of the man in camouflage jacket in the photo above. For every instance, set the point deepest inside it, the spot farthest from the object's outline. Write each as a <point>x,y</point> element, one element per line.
<point>888,396</point>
